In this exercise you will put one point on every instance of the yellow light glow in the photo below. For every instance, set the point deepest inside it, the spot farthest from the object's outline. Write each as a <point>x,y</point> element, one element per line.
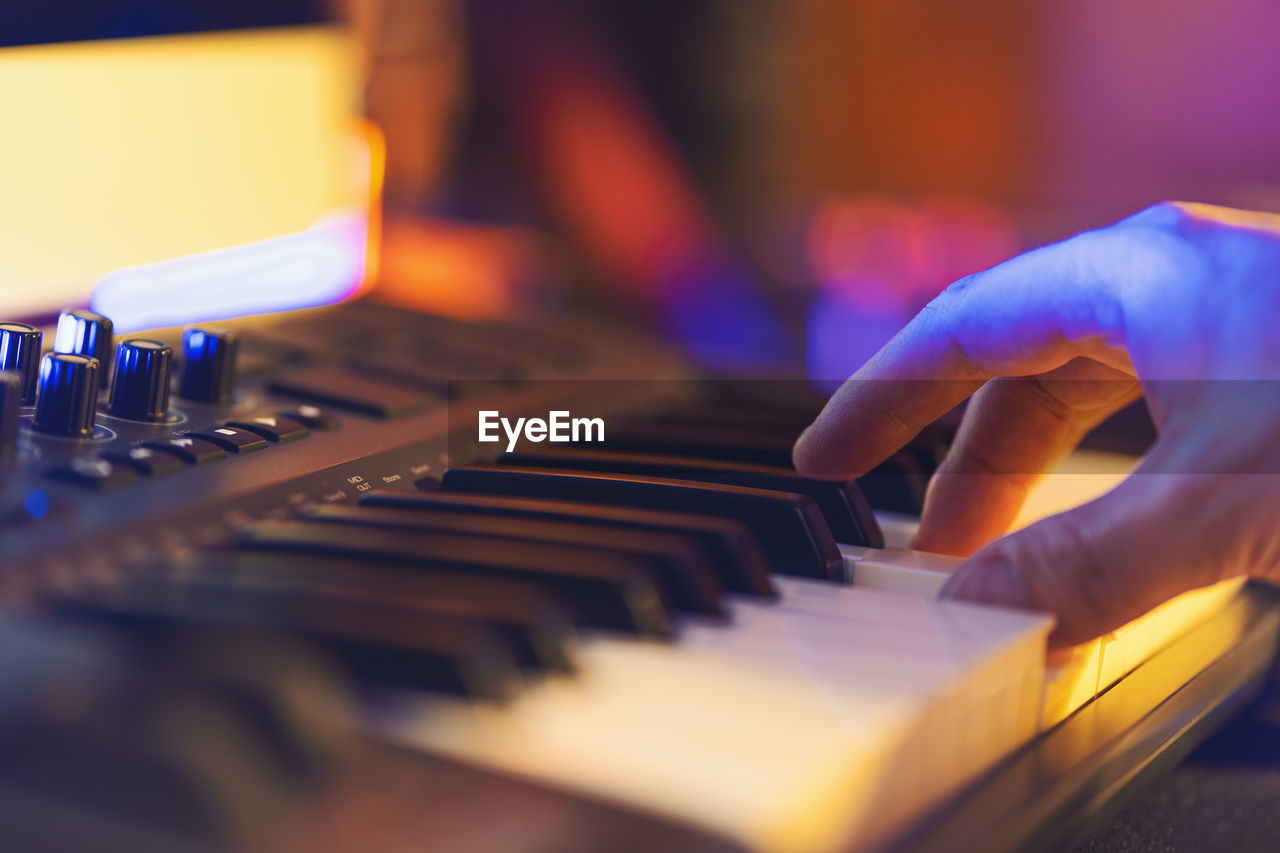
<point>126,152</point>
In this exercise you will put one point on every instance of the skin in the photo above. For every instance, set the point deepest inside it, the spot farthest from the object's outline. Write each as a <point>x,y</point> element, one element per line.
<point>1180,303</point>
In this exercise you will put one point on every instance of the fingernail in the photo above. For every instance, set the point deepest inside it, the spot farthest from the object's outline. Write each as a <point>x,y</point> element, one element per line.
<point>993,581</point>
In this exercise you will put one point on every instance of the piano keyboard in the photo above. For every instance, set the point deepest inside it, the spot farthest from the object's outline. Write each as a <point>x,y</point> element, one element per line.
<point>822,721</point>
<point>673,623</point>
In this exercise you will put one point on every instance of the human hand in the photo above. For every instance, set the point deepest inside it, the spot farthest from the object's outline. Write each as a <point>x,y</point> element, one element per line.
<point>1179,302</point>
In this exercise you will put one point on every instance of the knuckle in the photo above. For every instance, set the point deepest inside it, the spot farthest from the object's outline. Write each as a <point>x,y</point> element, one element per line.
<point>954,291</point>
<point>1164,214</point>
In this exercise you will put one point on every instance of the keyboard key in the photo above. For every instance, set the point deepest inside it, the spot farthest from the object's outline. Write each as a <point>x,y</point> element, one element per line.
<point>679,560</point>
<point>739,444</point>
<point>151,462</point>
<point>275,428</point>
<point>375,642</point>
<point>789,527</point>
<point>188,448</point>
<point>95,473</point>
<point>846,510</point>
<point>897,485</point>
<point>344,389</point>
<point>601,588</point>
<point>314,417</point>
<point>232,439</point>
<point>728,543</point>
<point>530,619</point>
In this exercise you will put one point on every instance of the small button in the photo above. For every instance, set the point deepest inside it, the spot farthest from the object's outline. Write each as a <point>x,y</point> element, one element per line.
<point>275,428</point>
<point>232,439</point>
<point>193,451</point>
<point>152,462</point>
<point>96,473</point>
<point>314,417</point>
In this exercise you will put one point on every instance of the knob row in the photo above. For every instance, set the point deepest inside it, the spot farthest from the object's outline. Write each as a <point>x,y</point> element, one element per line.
<point>66,388</point>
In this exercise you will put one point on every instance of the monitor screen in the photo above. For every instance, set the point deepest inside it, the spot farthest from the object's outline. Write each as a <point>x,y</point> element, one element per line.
<point>173,162</point>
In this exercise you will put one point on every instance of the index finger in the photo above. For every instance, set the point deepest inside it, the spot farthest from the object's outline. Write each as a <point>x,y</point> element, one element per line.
<point>1026,316</point>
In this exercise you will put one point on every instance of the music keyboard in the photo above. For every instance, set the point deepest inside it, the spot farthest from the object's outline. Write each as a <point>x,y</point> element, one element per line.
<point>666,625</point>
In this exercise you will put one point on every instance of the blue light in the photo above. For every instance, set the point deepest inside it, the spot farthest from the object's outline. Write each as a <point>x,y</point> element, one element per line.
<point>36,503</point>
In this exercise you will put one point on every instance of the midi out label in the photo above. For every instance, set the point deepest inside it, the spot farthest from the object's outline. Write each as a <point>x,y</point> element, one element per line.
<point>558,427</point>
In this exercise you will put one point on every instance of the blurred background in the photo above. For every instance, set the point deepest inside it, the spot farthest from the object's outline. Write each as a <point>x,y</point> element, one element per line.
<point>775,184</point>
<point>793,180</point>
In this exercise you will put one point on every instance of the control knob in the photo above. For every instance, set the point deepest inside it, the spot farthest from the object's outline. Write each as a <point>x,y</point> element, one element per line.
<point>82,332</point>
<point>68,395</point>
<point>209,365</point>
<point>140,387</point>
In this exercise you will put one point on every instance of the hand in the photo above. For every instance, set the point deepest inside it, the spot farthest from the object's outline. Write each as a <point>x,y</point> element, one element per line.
<point>1180,302</point>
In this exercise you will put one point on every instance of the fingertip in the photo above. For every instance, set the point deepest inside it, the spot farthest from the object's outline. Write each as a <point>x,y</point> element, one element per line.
<point>990,581</point>
<point>814,457</point>
<point>800,453</point>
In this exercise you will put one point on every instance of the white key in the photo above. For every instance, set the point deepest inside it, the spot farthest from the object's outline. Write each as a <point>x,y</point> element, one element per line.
<point>834,713</point>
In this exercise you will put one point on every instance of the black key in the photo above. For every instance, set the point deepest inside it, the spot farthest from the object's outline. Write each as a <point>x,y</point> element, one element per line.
<point>846,510</point>
<point>374,642</point>
<point>728,543</point>
<point>679,560</point>
<point>897,485</point>
<point>192,450</point>
<point>733,416</point>
<point>275,428</point>
<point>529,619</point>
<point>314,417</point>
<point>601,588</point>
<point>790,527</point>
<point>741,444</point>
<point>232,439</point>
<point>95,473</point>
<point>151,462</point>
<point>344,389</point>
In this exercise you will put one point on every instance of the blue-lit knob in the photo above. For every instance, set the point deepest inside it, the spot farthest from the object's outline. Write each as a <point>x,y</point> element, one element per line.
<point>20,353</point>
<point>10,399</point>
<point>82,332</point>
<point>209,365</point>
<point>68,394</point>
<point>140,388</point>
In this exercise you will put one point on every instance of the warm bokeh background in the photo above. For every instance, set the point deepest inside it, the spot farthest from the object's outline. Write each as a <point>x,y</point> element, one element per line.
<point>830,163</point>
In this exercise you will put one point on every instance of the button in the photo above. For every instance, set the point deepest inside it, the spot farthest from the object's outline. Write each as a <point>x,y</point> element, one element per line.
<point>85,333</point>
<point>232,439</point>
<point>193,451</point>
<point>314,417</point>
<point>20,353</point>
<point>152,462</point>
<point>96,473</point>
<point>347,390</point>
<point>275,428</point>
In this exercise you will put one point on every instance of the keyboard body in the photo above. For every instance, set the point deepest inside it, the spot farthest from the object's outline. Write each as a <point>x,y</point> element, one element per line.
<point>391,397</point>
